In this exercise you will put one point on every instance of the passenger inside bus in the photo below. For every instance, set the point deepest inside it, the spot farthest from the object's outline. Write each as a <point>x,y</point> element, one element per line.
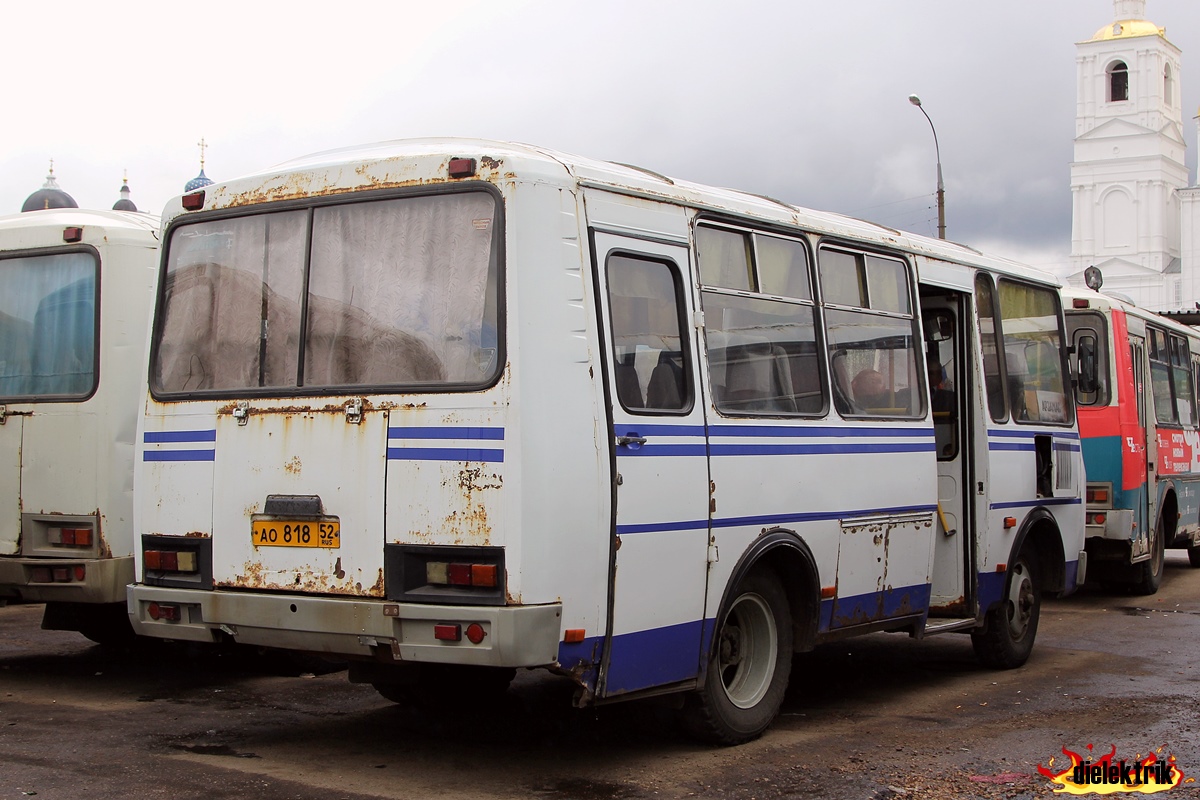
<point>942,403</point>
<point>870,390</point>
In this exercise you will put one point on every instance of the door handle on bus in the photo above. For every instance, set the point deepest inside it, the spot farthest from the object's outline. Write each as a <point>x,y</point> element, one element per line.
<point>632,441</point>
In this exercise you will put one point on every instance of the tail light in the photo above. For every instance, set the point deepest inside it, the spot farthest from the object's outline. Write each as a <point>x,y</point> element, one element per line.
<point>69,537</point>
<point>164,611</point>
<point>1099,495</point>
<point>170,561</point>
<point>1096,519</point>
<point>445,574</point>
<point>58,574</point>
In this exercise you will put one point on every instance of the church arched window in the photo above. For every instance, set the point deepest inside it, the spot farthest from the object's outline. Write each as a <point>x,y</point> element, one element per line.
<point>1118,82</point>
<point>1168,86</point>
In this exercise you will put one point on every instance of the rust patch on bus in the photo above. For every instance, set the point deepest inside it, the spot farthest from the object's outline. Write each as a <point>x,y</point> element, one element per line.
<point>472,479</point>
<point>103,549</point>
<point>305,580</point>
<point>292,467</point>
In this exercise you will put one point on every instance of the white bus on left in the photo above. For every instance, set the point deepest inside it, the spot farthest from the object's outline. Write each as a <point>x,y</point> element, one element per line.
<point>76,291</point>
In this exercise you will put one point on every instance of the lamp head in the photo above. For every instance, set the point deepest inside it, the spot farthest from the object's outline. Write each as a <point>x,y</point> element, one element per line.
<point>916,101</point>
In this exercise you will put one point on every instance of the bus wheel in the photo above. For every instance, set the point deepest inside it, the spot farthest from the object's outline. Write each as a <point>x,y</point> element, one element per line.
<point>748,670</point>
<point>1148,574</point>
<point>1006,639</point>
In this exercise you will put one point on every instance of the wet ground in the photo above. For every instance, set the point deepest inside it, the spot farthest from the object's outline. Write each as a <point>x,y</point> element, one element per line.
<point>879,717</point>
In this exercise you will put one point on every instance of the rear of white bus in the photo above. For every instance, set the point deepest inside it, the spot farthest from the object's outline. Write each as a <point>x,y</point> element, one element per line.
<point>322,459</point>
<point>75,294</point>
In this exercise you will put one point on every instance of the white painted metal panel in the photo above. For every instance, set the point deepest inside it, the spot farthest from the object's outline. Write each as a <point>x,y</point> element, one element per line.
<point>300,451</point>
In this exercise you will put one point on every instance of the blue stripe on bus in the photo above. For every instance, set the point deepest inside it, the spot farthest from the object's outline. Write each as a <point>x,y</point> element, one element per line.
<point>1041,501</point>
<point>155,437</point>
<point>1058,434</point>
<point>655,657</point>
<point>768,520</point>
<point>446,432</point>
<point>179,455</point>
<point>769,431</point>
<point>1011,446</point>
<point>443,454</point>
<point>673,653</point>
<point>650,450</point>
<point>821,449</point>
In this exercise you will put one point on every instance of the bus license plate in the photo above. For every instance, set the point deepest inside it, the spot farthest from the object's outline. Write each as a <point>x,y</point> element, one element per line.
<point>283,533</point>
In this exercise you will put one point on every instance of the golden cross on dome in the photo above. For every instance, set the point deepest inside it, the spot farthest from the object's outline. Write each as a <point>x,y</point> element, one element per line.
<point>201,144</point>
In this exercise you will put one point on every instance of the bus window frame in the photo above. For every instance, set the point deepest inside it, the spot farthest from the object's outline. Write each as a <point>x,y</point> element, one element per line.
<point>916,333</point>
<point>98,275</point>
<point>685,345</point>
<point>813,302</point>
<point>1064,366</point>
<point>497,262</point>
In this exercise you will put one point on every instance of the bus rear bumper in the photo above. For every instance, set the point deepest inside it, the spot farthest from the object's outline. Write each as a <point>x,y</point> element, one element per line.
<point>513,636</point>
<point>58,580</point>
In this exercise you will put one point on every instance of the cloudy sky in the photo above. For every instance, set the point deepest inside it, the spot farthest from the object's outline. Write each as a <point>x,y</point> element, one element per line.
<point>804,100</point>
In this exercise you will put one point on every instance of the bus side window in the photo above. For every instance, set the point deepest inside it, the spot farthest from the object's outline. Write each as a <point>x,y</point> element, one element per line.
<point>650,367</point>
<point>871,332</point>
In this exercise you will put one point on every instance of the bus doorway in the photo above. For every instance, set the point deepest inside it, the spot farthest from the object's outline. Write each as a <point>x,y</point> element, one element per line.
<point>947,363</point>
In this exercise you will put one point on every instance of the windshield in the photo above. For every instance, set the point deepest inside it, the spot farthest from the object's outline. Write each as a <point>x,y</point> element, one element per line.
<point>48,326</point>
<point>399,292</point>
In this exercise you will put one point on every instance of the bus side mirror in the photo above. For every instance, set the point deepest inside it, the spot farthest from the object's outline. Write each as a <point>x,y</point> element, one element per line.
<point>1087,380</point>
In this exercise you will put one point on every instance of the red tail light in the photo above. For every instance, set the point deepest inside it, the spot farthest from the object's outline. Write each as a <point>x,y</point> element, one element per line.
<point>475,633</point>
<point>447,633</point>
<point>170,613</point>
<point>459,574</point>
<point>169,561</point>
<point>193,201</point>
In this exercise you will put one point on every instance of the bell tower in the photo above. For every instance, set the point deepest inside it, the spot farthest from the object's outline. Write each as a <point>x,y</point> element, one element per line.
<point>1128,166</point>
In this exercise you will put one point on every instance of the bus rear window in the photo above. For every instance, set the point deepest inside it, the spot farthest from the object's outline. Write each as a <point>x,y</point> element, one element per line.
<point>48,327</point>
<point>398,293</point>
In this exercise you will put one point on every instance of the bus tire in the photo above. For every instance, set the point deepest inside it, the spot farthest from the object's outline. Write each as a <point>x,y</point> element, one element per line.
<point>1194,555</point>
<point>1148,574</point>
<point>749,667</point>
<point>1006,639</point>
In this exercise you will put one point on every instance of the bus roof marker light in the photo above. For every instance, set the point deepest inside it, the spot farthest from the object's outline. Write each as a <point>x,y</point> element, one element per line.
<point>194,201</point>
<point>72,235</point>
<point>462,168</point>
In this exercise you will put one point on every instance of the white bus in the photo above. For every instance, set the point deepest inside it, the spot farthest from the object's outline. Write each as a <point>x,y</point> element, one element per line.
<point>455,407</point>
<point>76,291</point>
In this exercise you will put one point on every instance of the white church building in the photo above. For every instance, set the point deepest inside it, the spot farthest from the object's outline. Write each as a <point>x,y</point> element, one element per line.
<point>1135,216</point>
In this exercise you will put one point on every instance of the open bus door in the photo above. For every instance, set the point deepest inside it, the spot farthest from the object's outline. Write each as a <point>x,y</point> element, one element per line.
<point>949,367</point>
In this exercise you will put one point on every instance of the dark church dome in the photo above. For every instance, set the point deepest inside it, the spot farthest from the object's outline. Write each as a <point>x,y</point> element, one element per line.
<point>49,196</point>
<point>124,204</point>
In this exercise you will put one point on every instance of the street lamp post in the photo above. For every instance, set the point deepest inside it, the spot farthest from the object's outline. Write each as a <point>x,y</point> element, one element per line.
<point>941,189</point>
